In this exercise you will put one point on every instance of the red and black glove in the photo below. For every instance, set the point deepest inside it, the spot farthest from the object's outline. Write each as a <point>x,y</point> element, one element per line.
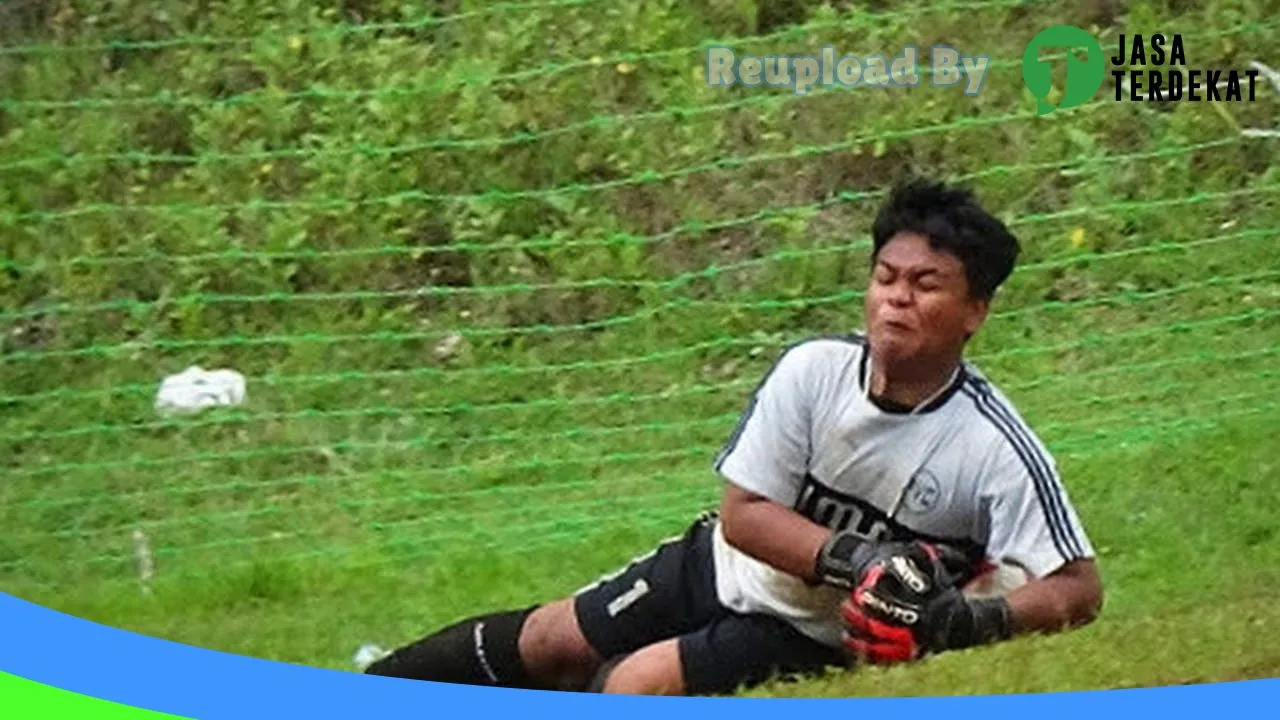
<point>910,606</point>
<point>846,557</point>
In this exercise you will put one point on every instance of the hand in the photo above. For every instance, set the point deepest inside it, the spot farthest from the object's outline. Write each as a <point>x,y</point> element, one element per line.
<point>846,558</point>
<point>891,618</point>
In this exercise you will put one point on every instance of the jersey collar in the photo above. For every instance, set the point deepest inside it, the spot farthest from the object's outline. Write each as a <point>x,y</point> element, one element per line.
<point>893,408</point>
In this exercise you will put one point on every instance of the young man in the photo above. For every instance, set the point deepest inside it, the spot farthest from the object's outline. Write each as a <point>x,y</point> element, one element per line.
<point>868,478</point>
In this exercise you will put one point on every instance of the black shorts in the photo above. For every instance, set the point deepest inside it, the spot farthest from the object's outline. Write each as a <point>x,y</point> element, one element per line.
<point>671,593</point>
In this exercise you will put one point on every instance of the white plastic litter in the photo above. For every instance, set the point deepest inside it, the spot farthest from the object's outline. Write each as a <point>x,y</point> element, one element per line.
<point>1272,77</point>
<point>196,389</point>
<point>367,655</point>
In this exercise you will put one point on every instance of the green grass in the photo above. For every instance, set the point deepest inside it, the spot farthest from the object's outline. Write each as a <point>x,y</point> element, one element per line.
<point>624,251</point>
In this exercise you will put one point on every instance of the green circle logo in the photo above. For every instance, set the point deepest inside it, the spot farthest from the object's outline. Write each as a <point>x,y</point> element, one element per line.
<point>1084,77</point>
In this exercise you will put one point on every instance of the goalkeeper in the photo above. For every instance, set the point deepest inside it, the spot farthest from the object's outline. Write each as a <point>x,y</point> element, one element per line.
<point>871,477</point>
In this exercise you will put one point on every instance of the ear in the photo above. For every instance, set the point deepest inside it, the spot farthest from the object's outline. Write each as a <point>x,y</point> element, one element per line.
<point>975,314</point>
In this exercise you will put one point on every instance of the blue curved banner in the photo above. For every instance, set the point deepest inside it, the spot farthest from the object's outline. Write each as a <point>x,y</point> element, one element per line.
<point>83,657</point>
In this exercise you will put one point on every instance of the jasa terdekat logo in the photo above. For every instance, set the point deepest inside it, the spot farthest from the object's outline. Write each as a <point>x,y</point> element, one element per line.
<point>1144,68</point>
<point>1165,77</point>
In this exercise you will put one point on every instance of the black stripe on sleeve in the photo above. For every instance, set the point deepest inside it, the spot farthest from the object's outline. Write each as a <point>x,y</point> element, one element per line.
<point>1059,505</point>
<point>732,444</point>
<point>741,427</point>
<point>1039,481</point>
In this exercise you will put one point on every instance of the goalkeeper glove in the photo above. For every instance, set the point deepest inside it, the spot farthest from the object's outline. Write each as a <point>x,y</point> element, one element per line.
<point>893,618</point>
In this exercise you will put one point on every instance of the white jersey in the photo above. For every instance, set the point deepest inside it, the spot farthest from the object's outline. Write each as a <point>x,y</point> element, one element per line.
<point>964,469</point>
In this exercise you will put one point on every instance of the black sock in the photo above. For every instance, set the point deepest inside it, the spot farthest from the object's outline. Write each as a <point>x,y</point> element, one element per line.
<point>482,650</point>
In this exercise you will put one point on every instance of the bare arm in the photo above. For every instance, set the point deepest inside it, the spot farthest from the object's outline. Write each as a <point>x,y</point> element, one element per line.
<point>786,540</point>
<point>771,533</point>
<point>1069,597</point>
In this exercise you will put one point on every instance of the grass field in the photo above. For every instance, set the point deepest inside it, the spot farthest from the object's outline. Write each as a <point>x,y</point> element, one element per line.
<point>501,283</point>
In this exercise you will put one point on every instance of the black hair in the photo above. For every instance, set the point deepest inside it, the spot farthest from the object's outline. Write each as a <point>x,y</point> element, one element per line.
<point>954,222</point>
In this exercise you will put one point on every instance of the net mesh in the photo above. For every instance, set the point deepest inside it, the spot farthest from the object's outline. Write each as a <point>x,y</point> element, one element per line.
<point>503,278</point>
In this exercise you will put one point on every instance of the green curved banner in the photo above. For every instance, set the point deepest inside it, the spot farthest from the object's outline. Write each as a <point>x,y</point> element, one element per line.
<point>24,699</point>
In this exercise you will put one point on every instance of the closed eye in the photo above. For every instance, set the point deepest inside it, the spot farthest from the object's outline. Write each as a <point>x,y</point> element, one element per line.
<point>928,281</point>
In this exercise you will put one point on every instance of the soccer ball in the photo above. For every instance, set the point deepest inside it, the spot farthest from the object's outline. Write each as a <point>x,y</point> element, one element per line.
<point>995,579</point>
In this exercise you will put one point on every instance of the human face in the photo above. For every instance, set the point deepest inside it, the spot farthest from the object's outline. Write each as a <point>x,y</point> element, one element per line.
<point>918,305</point>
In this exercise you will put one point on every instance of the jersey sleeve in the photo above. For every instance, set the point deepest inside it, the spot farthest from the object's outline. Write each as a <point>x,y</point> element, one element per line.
<point>768,453</point>
<point>1031,521</point>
